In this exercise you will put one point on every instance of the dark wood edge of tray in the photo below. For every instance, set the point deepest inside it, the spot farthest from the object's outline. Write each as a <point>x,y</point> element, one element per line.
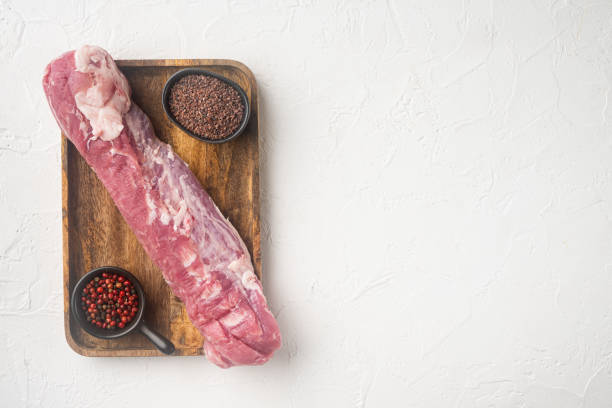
<point>256,255</point>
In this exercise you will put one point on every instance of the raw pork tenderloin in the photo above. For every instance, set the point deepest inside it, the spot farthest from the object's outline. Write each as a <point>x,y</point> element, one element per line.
<point>201,255</point>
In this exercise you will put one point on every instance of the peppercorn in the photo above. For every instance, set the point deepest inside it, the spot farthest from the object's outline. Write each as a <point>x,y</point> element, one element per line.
<point>109,301</point>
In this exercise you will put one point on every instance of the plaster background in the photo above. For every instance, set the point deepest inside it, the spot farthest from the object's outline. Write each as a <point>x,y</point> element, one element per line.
<point>437,195</point>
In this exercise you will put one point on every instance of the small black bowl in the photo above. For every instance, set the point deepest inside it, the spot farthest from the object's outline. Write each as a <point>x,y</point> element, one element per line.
<point>164,345</point>
<point>196,71</point>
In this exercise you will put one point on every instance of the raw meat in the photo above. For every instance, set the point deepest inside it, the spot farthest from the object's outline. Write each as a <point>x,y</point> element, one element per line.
<point>202,257</point>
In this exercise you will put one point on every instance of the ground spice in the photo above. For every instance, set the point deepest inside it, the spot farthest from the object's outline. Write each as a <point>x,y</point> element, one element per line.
<point>206,106</point>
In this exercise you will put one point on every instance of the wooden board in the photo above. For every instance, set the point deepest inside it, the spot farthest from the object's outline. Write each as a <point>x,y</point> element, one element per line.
<point>95,234</point>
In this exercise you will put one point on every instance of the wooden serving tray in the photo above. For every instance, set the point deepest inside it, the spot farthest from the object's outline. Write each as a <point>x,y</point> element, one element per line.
<point>95,234</point>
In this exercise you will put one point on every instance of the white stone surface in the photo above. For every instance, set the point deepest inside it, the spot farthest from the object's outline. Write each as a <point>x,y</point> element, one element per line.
<point>437,202</point>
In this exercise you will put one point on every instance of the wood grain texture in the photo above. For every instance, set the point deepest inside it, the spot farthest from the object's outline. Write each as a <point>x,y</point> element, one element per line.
<point>95,234</point>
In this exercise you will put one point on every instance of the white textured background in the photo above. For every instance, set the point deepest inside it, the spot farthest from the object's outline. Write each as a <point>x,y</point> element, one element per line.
<point>437,195</point>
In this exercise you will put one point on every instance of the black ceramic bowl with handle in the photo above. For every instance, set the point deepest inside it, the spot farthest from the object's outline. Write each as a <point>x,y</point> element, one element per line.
<point>137,324</point>
<point>197,71</point>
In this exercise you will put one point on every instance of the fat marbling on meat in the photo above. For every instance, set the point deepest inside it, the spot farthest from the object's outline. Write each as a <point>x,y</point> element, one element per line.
<point>201,255</point>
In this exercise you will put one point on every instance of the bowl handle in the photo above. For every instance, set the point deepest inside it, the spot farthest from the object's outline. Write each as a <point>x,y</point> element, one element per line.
<point>163,344</point>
